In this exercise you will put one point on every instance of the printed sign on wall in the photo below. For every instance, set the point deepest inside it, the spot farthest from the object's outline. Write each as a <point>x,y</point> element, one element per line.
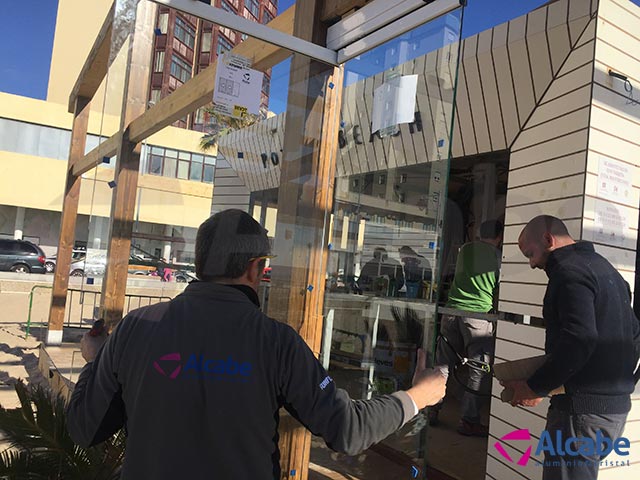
<point>238,88</point>
<point>614,180</point>
<point>394,102</point>
<point>611,223</point>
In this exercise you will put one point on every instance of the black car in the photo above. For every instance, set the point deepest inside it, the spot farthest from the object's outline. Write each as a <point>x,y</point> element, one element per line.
<point>21,256</point>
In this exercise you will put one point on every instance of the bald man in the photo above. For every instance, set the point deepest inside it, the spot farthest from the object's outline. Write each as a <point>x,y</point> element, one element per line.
<point>591,333</point>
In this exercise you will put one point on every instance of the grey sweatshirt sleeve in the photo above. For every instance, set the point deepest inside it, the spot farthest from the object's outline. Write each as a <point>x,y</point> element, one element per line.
<point>311,396</point>
<point>96,410</point>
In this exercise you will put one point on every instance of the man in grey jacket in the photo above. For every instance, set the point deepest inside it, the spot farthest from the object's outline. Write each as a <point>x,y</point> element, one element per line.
<point>197,382</point>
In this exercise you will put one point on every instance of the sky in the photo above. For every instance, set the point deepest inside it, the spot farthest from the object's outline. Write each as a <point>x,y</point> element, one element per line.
<point>25,52</point>
<point>30,24</point>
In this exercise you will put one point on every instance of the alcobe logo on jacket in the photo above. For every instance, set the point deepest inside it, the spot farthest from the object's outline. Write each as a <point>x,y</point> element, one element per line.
<point>199,367</point>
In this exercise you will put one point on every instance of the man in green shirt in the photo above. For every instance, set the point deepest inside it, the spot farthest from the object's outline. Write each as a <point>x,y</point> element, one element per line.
<point>473,291</point>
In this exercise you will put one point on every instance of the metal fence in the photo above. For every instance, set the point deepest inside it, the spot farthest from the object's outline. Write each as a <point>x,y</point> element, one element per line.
<point>82,306</point>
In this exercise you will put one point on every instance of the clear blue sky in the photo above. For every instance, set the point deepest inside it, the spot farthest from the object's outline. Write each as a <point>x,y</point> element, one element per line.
<point>25,52</point>
<point>29,26</point>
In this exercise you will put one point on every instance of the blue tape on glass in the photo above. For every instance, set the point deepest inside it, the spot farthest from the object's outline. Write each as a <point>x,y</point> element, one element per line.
<point>441,143</point>
<point>112,184</point>
<point>106,159</point>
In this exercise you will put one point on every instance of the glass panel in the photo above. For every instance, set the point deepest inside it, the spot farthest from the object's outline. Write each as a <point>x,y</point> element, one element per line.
<point>155,167</point>
<point>206,42</point>
<point>385,229</point>
<point>183,170</point>
<point>169,169</point>
<point>196,172</point>
<point>207,175</point>
<point>158,64</point>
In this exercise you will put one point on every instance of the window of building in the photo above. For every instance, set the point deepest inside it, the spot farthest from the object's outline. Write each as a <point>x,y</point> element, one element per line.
<point>158,62</point>
<point>180,69</point>
<point>266,16</point>
<point>183,165</point>
<point>226,6</point>
<point>163,22</point>
<point>205,46</point>
<point>170,163</point>
<point>155,162</point>
<point>208,170</point>
<point>184,32</point>
<point>200,116</point>
<point>254,7</point>
<point>266,81</point>
<point>196,167</point>
<point>155,96</point>
<point>224,45</point>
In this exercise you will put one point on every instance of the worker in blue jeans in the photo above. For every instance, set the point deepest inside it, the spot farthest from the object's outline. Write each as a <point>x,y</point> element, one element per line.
<point>474,291</point>
<point>592,337</point>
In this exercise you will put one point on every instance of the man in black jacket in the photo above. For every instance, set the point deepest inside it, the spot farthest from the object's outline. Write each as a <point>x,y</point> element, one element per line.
<point>198,381</point>
<point>590,337</point>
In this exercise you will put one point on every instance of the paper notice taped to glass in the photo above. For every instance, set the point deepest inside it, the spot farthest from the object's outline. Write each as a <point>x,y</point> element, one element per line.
<point>394,102</point>
<point>238,88</point>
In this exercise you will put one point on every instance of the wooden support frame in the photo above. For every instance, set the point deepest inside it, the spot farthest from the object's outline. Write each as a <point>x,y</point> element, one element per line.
<point>123,202</point>
<point>68,222</point>
<point>95,157</point>
<point>195,93</point>
<point>310,151</point>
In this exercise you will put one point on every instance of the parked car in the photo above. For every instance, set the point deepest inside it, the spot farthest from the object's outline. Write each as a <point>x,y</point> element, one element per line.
<point>21,256</point>
<point>184,276</point>
<point>95,264</point>
<point>76,254</point>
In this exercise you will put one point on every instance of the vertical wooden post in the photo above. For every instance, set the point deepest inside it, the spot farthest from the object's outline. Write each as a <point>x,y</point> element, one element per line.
<point>123,201</point>
<point>68,222</point>
<point>305,199</point>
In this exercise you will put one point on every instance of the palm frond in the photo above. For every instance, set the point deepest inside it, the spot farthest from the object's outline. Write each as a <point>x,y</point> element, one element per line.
<point>42,446</point>
<point>220,125</point>
<point>20,465</point>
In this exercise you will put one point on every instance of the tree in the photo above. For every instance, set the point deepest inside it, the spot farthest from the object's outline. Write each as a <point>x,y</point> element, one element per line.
<point>40,446</point>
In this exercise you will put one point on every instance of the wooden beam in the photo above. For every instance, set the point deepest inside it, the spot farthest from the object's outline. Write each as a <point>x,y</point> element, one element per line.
<point>333,10</point>
<point>96,65</point>
<point>198,91</point>
<point>95,157</point>
<point>195,93</point>
<point>123,202</point>
<point>305,198</point>
<point>68,222</point>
